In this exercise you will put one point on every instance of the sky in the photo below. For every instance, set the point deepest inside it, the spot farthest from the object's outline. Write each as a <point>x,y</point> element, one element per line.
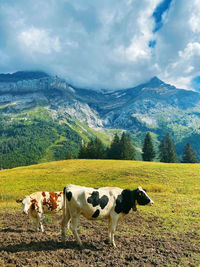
<point>110,44</point>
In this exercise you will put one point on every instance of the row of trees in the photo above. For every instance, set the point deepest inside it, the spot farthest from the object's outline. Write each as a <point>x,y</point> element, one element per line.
<point>167,151</point>
<point>122,148</point>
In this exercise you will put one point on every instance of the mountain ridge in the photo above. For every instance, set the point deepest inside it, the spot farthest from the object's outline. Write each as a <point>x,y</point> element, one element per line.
<point>152,106</point>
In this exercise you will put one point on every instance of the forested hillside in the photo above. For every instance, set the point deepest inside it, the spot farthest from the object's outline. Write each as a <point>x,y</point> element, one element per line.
<point>28,143</point>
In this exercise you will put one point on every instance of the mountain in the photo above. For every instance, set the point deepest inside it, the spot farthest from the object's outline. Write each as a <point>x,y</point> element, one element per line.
<point>43,117</point>
<point>22,75</point>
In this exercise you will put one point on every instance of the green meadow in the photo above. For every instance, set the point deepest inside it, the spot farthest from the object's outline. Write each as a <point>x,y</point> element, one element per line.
<point>175,188</point>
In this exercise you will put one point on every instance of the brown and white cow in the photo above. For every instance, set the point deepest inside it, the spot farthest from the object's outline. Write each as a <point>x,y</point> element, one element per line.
<point>39,203</point>
<point>112,203</point>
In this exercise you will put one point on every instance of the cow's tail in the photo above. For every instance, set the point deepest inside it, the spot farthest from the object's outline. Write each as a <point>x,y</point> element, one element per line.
<point>65,203</point>
<point>63,223</point>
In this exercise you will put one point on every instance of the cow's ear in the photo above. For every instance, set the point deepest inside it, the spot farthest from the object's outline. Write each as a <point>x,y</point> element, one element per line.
<point>145,190</point>
<point>19,200</point>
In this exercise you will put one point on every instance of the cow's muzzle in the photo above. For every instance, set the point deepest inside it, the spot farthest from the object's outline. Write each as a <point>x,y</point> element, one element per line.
<point>151,203</point>
<point>134,208</point>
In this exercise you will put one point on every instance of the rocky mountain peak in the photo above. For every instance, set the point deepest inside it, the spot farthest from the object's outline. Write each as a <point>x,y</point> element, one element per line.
<point>22,75</point>
<point>155,81</point>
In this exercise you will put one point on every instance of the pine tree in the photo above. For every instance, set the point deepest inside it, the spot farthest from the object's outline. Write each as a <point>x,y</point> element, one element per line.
<point>93,150</point>
<point>114,150</point>
<point>68,155</point>
<point>131,150</point>
<point>90,150</point>
<point>162,151</point>
<point>171,153</point>
<point>82,151</point>
<point>167,150</point>
<point>189,155</point>
<point>99,150</point>
<point>148,153</point>
<point>127,150</point>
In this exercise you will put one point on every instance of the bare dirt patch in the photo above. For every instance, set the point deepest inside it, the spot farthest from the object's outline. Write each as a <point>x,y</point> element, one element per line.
<point>140,242</point>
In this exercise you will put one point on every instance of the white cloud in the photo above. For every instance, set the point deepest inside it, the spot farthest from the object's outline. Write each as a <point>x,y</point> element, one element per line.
<point>191,50</point>
<point>178,49</point>
<point>182,82</point>
<point>39,40</point>
<point>139,48</point>
<point>101,43</point>
<point>194,20</point>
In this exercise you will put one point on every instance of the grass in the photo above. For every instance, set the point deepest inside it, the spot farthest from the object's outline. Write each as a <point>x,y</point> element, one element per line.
<point>85,132</point>
<point>175,188</point>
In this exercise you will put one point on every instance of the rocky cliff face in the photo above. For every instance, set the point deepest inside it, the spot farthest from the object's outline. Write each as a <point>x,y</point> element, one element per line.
<point>51,92</point>
<point>153,106</point>
<point>147,103</point>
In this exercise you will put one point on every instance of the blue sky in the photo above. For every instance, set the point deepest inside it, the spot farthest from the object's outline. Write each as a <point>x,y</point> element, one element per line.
<point>103,44</point>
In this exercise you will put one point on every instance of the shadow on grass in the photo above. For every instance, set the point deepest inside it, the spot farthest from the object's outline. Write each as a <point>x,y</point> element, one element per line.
<point>49,245</point>
<point>11,230</point>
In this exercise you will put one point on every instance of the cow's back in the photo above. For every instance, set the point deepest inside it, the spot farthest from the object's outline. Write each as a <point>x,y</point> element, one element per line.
<point>93,203</point>
<point>52,202</point>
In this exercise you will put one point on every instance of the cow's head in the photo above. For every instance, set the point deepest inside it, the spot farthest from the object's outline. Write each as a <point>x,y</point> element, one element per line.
<point>141,197</point>
<point>26,203</point>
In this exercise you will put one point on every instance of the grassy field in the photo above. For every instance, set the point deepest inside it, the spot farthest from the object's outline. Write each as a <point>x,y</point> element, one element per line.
<point>175,188</point>
<point>166,234</point>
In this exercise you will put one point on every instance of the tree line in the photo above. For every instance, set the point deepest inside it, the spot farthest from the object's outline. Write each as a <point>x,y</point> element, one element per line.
<point>122,148</point>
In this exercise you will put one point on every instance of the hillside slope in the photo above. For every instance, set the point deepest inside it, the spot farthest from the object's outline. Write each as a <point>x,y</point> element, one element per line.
<point>166,233</point>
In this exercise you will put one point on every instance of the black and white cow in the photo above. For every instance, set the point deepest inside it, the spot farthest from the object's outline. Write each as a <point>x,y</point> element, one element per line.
<point>106,202</point>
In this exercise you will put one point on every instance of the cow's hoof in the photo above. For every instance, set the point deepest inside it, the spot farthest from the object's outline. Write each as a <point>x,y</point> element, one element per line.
<point>107,242</point>
<point>80,245</point>
<point>114,245</point>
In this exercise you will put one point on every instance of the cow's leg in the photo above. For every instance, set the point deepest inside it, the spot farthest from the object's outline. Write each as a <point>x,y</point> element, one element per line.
<point>73,226</point>
<point>42,227</point>
<point>109,229</point>
<point>37,222</point>
<point>34,219</point>
<point>40,217</point>
<point>112,228</point>
<point>64,222</point>
<point>68,225</point>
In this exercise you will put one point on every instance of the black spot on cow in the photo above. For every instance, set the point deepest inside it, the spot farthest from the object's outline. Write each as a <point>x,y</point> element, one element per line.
<point>69,195</point>
<point>96,214</point>
<point>103,201</point>
<point>125,202</point>
<point>95,200</point>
